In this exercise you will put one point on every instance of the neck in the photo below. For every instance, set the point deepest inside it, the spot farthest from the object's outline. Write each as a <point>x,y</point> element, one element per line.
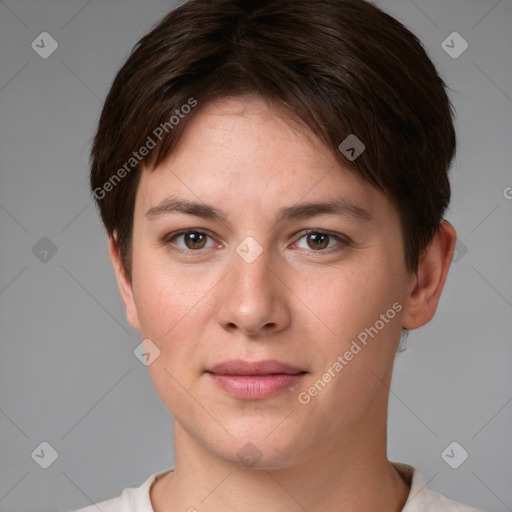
<point>352,474</point>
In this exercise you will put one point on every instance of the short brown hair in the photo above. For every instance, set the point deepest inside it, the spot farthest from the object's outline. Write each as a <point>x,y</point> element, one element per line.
<point>342,67</point>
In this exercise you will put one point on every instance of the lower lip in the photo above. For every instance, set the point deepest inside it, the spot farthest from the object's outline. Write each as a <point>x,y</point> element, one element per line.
<point>253,387</point>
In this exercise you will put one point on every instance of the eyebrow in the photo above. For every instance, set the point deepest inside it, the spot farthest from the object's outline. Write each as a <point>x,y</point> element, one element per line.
<point>300,211</point>
<point>335,207</point>
<point>173,205</point>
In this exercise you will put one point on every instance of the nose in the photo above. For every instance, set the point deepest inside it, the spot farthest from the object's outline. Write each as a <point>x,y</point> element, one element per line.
<point>253,299</point>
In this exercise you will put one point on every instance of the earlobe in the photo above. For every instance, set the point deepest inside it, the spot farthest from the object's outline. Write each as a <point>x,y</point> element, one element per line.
<point>429,280</point>
<point>124,283</point>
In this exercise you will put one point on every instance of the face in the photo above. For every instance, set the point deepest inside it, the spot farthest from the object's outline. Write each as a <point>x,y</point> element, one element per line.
<point>272,280</point>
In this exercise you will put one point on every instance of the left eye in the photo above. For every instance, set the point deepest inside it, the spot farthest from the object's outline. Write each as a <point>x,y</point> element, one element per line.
<point>318,240</point>
<point>192,240</point>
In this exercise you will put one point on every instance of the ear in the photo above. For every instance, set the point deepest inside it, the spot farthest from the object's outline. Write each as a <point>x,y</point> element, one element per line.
<point>124,283</point>
<point>428,282</point>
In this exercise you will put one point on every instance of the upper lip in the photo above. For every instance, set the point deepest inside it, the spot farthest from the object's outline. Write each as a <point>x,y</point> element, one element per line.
<point>266,367</point>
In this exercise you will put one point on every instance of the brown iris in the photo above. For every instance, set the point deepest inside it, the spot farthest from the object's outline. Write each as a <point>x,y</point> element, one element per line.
<point>318,240</point>
<point>195,240</point>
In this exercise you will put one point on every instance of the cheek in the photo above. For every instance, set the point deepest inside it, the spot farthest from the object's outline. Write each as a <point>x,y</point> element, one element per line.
<point>349,300</point>
<point>164,298</point>
<point>171,314</point>
<point>361,306</point>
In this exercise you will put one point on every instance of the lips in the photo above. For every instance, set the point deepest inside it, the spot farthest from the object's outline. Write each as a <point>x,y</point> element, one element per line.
<point>240,367</point>
<point>252,380</point>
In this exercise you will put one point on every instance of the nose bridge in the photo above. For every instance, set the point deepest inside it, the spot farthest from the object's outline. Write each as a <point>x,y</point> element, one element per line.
<point>251,272</point>
<point>253,297</point>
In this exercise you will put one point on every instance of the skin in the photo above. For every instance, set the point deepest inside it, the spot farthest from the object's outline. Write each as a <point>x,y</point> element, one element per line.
<point>299,302</point>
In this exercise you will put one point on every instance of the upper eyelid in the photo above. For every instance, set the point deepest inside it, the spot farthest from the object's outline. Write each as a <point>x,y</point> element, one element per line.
<point>170,236</point>
<point>183,232</point>
<point>323,232</point>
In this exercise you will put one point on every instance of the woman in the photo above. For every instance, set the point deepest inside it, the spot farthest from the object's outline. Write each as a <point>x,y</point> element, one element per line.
<point>272,176</point>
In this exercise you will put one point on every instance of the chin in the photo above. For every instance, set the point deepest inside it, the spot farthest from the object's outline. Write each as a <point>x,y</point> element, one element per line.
<point>259,444</point>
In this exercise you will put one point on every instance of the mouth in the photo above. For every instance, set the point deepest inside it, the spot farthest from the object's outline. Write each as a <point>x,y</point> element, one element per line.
<point>253,380</point>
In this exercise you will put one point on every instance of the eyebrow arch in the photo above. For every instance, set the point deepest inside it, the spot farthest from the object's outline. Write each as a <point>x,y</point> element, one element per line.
<point>173,205</point>
<point>296,212</point>
<point>335,207</point>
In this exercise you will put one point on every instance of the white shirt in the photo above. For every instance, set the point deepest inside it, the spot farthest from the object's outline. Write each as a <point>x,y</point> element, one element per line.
<point>420,499</point>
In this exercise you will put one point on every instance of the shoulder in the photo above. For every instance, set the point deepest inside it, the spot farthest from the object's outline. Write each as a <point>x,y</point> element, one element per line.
<point>132,499</point>
<point>438,503</point>
<point>423,499</point>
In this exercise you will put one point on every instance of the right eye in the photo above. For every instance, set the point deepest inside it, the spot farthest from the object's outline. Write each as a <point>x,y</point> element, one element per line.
<point>190,240</point>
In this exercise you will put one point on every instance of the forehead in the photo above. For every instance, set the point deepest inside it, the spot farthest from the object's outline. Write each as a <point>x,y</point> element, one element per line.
<point>252,157</point>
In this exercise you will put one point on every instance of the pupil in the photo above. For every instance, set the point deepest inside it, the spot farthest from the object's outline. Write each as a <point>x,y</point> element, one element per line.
<point>319,240</point>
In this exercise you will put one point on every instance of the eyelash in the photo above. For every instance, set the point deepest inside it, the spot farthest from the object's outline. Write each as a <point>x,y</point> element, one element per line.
<point>343,241</point>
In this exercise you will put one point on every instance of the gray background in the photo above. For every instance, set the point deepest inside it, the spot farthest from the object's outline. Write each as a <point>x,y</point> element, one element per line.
<point>68,375</point>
